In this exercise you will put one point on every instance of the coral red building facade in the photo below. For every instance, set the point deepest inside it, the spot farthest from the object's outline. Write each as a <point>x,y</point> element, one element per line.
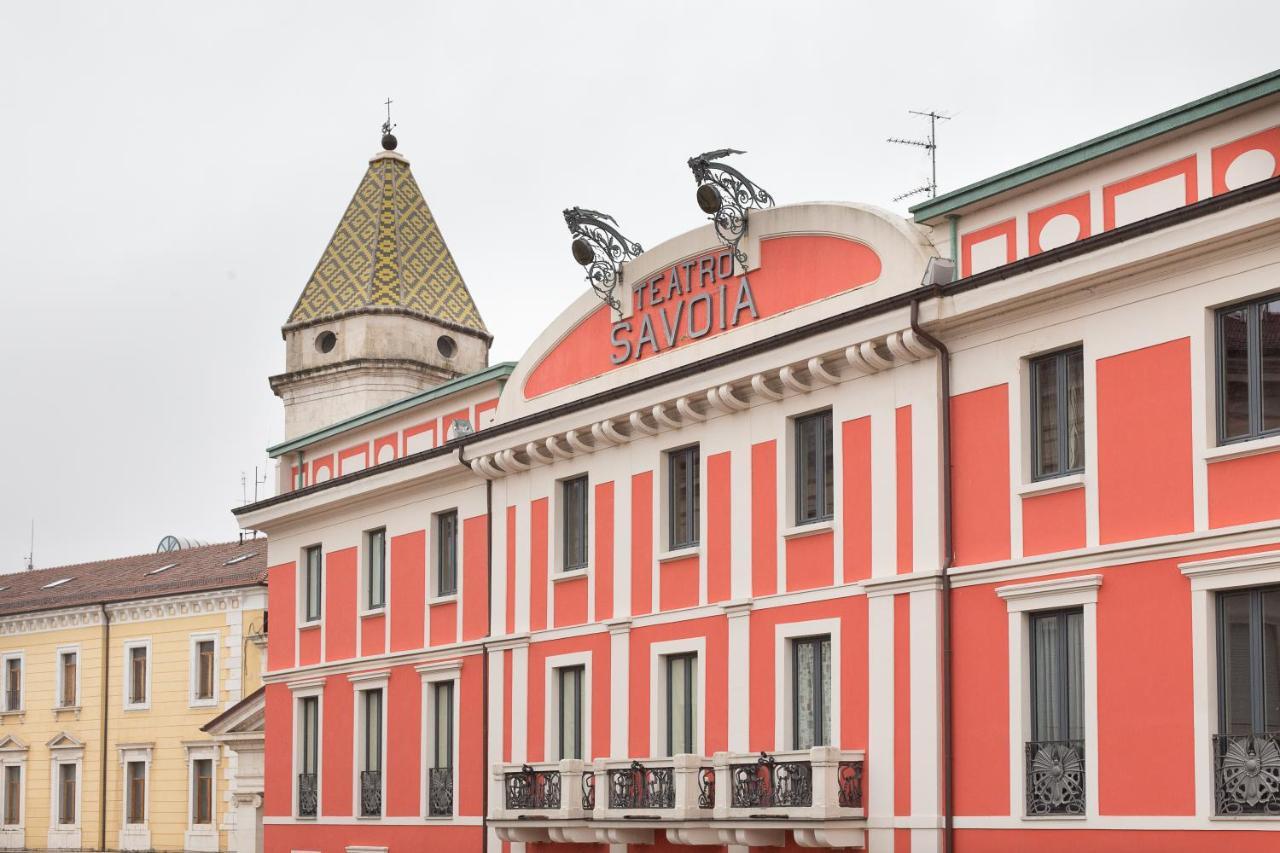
<point>823,547</point>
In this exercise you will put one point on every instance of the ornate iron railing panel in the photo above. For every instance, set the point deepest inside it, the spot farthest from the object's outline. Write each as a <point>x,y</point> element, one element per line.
<point>1246,774</point>
<point>308,794</point>
<point>768,784</point>
<point>849,779</point>
<point>1055,777</point>
<point>706,787</point>
<point>532,789</point>
<point>440,792</point>
<point>370,793</point>
<point>588,791</point>
<point>640,787</point>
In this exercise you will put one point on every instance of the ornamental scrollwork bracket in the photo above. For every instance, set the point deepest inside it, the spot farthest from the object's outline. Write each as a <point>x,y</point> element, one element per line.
<point>727,196</point>
<point>601,248</point>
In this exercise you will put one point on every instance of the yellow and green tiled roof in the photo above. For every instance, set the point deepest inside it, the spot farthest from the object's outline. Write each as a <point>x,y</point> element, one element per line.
<point>388,252</point>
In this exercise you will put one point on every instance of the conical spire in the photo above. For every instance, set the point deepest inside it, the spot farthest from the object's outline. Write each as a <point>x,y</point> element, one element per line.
<point>388,253</point>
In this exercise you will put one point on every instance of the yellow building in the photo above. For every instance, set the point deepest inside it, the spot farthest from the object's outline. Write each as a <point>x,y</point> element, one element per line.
<point>110,670</point>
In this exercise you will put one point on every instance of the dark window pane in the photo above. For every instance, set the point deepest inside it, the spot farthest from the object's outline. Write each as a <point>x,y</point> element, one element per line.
<point>1075,675</point>
<point>375,590</point>
<point>1046,680</point>
<point>1075,410</point>
<point>1046,402</point>
<point>443,725</point>
<point>1236,675</point>
<point>681,703</point>
<point>1271,659</point>
<point>1234,352</point>
<point>682,474</point>
<point>571,711</point>
<point>1269,352</point>
<point>575,522</point>
<point>815,499</point>
<point>447,553</point>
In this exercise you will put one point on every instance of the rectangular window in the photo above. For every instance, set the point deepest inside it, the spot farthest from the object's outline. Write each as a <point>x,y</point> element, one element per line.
<point>375,581</point>
<point>1057,676</point>
<point>136,805</point>
<point>204,669</point>
<point>447,553</point>
<point>815,489</point>
<point>371,757</point>
<point>202,791</point>
<point>442,696</point>
<point>308,755</point>
<point>682,497</point>
<point>66,794</point>
<point>569,688</point>
<point>1057,413</point>
<point>682,703</point>
<point>12,794</point>
<point>1249,661</point>
<point>67,662</point>
<point>574,497</point>
<point>13,684</point>
<point>138,675</point>
<point>811,692</point>
<point>1249,370</point>
<point>313,584</point>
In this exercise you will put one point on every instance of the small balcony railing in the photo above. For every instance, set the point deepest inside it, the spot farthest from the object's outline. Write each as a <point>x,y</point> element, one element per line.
<point>308,794</point>
<point>370,793</point>
<point>677,787</point>
<point>1246,774</point>
<point>1055,777</point>
<point>440,792</point>
<point>541,790</point>
<point>822,782</point>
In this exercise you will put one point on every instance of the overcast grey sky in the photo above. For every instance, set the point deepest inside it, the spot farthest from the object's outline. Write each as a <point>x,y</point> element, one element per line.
<point>170,172</point>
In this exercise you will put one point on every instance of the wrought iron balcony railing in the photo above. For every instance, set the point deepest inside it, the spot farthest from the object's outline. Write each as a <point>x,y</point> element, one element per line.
<point>822,782</point>
<point>677,787</point>
<point>640,787</point>
<point>1246,774</point>
<point>1055,777</point>
<point>308,794</point>
<point>532,788</point>
<point>370,793</point>
<point>440,792</point>
<point>767,783</point>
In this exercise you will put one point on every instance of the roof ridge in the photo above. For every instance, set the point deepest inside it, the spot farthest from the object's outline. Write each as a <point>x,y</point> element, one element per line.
<point>126,557</point>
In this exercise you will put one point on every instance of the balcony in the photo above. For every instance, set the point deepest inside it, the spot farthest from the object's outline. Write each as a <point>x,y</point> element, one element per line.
<point>307,795</point>
<point>440,792</point>
<point>1055,778</point>
<point>370,793</point>
<point>1246,775</point>
<point>744,799</point>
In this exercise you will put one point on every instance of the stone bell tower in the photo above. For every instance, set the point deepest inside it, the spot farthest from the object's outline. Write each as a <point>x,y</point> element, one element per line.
<point>385,314</point>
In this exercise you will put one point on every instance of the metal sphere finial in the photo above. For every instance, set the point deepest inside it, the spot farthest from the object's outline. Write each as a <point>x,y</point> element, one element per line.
<point>388,139</point>
<point>389,142</point>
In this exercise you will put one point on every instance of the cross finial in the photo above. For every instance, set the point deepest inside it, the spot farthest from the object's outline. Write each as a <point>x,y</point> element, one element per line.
<point>388,140</point>
<point>387,125</point>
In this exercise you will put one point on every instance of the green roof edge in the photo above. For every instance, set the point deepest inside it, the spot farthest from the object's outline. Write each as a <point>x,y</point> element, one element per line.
<point>499,371</point>
<point>1241,93</point>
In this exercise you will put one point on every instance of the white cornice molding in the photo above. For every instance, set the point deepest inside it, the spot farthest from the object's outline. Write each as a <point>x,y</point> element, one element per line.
<point>1043,595</point>
<point>1238,570</point>
<point>135,610</point>
<point>439,670</point>
<point>50,620</point>
<point>898,584</point>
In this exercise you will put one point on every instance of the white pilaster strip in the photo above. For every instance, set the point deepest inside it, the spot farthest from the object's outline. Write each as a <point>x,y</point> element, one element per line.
<point>619,684</point>
<point>739,616</point>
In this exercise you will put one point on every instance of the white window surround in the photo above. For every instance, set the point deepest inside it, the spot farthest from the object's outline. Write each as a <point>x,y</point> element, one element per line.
<point>662,500</point>
<point>1024,470</point>
<point>658,652</point>
<point>431,675</point>
<point>1023,599</point>
<point>74,649</point>
<point>363,682</point>
<point>192,700</point>
<point>20,656</point>
<point>13,753</point>
<point>786,471</point>
<point>129,646</point>
<point>784,633</point>
<point>311,688</point>
<point>433,558</point>
<point>201,837</point>
<point>135,836</point>
<point>1208,577</point>
<point>551,699</point>
<point>555,527</point>
<point>64,749</point>
<point>303,622</point>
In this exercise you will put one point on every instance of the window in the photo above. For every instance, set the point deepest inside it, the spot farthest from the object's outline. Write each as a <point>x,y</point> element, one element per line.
<point>682,497</point>
<point>447,553</point>
<point>136,792</point>
<point>815,490</point>
<point>312,584</point>
<point>206,666</point>
<point>1057,676</point>
<point>137,658</point>
<point>67,664</point>
<point>308,755</point>
<point>440,774</point>
<point>12,795</point>
<point>811,692</point>
<point>569,686</point>
<point>202,791</point>
<point>375,581</point>
<point>13,684</point>
<point>371,754</point>
<point>1249,370</point>
<point>66,794</point>
<point>1057,413</point>
<point>1249,661</point>
<point>681,703</point>
<point>574,495</point>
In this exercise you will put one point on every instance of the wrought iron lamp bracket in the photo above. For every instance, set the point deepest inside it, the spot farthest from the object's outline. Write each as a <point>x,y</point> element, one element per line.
<point>601,248</point>
<point>728,197</point>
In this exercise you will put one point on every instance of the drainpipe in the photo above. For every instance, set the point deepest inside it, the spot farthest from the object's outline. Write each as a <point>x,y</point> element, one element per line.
<point>102,778</point>
<point>484,648</point>
<point>948,557</point>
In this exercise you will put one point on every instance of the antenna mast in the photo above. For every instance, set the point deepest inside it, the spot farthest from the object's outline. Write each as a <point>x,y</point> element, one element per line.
<point>31,555</point>
<point>930,145</point>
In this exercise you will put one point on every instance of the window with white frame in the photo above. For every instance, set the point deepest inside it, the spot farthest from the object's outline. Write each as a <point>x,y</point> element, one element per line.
<point>1248,355</point>
<point>137,667</point>
<point>1057,413</point>
<point>375,569</point>
<point>202,792</point>
<point>811,692</point>
<point>683,494</point>
<point>307,757</point>
<point>569,682</point>
<point>68,678</point>
<point>814,468</point>
<point>682,699</point>
<point>573,502</point>
<point>440,774</point>
<point>371,744</point>
<point>204,669</point>
<point>446,553</point>
<point>11,792</point>
<point>135,792</point>
<point>312,584</point>
<point>13,682</point>
<point>66,795</point>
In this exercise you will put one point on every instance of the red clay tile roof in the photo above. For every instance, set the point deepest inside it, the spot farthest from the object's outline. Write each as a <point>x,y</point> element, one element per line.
<point>200,569</point>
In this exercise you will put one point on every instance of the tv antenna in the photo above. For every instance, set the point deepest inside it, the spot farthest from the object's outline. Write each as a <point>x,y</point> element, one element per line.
<point>930,145</point>
<point>259,478</point>
<point>31,554</point>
